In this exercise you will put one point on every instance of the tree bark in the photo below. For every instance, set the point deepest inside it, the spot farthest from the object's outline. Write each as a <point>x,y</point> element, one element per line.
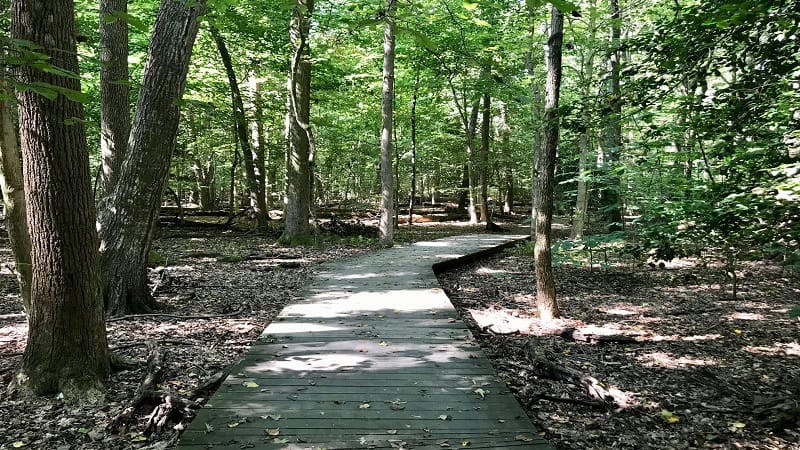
<point>13,186</point>
<point>127,215</point>
<point>66,350</point>
<point>545,287</point>
<point>483,158</point>
<point>386,227</point>
<point>300,137</point>
<point>257,199</point>
<point>261,155</point>
<point>115,119</point>
<point>413,193</point>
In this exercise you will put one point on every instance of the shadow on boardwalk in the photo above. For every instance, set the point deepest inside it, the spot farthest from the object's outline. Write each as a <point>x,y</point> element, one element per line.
<point>372,356</point>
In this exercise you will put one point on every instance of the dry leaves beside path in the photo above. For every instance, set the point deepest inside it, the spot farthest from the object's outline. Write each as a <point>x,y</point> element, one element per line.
<point>696,369</point>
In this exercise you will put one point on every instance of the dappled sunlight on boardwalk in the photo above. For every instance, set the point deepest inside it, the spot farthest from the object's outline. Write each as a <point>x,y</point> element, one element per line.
<point>372,356</point>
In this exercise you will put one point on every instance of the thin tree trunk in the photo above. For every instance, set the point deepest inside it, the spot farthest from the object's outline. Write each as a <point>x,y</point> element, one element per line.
<point>259,143</point>
<point>300,137</point>
<point>582,201</point>
<point>13,185</point>
<point>413,193</point>
<point>127,216</point>
<point>385,227</point>
<point>483,166</point>
<point>115,114</point>
<point>545,287</point>
<point>257,200</point>
<point>66,350</point>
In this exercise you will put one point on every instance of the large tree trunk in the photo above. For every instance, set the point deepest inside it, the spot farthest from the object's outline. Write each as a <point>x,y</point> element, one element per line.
<point>483,158</point>
<point>386,227</point>
<point>298,167</point>
<point>13,187</point>
<point>66,350</point>
<point>257,199</point>
<point>545,287</point>
<point>127,215</point>
<point>115,119</point>
<point>610,200</point>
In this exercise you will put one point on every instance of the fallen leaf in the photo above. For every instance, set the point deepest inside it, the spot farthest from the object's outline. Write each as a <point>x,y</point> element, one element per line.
<point>480,392</point>
<point>669,416</point>
<point>738,425</point>
<point>523,438</point>
<point>18,444</point>
<point>383,344</point>
<point>391,431</point>
<point>139,439</point>
<point>465,443</point>
<point>397,405</point>
<point>445,417</point>
<point>443,443</point>
<point>364,405</point>
<point>209,428</point>
<point>250,384</point>
<point>273,431</point>
<point>272,417</point>
<point>233,424</point>
<point>280,441</point>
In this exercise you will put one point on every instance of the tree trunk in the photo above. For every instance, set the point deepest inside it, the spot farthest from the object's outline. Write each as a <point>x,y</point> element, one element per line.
<point>66,351</point>
<point>127,215</point>
<point>610,193</point>
<point>257,199</point>
<point>545,287</point>
<point>504,132</point>
<point>261,154</point>
<point>483,158</point>
<point>585,139</point>
<point>385,227</point>
<point>582,201</point>
<point>115,116</point>
<point>13,185</point>
<point>413,192</point>
<point>205,179</point>
<point>298,167</point>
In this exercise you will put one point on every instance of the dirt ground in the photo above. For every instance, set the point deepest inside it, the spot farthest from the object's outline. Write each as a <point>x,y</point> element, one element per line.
<point>693,368</point>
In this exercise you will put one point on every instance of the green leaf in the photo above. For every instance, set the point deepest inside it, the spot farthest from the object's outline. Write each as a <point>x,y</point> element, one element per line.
<point>46,92</point>
<point>564,6</point>
<point>481,22</point>
<point>469,6</point>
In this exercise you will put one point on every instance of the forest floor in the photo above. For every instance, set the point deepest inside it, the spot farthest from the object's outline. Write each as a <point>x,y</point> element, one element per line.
<point>693,368</point>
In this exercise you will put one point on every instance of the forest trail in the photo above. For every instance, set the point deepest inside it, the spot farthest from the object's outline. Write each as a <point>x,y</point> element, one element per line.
<point>371,356</point>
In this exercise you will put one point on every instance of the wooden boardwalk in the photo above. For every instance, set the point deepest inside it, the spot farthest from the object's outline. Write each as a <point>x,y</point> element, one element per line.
<point>372,356</point>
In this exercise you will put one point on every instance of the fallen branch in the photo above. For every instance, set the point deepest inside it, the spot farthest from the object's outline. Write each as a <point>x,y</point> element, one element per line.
<point>572,334</point>
<point>12,316</point>
<point>575,401</point>
<point>546,369</point>
<point>175,316</point>
<point>145,393</point>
